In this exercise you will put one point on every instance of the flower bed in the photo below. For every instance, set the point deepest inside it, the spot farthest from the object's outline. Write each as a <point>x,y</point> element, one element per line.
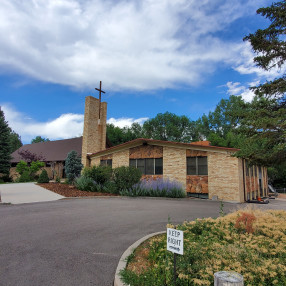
<point>250,242</point>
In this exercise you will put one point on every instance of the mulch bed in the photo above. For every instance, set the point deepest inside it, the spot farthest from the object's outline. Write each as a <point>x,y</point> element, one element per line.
<point>71,191</point>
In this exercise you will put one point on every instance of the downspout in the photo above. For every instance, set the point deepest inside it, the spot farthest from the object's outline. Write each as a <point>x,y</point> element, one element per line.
<point>243,180</point>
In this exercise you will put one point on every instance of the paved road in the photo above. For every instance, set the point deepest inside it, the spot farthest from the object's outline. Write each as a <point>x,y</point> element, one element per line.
<point>80,241</point>
<point>21,193</point>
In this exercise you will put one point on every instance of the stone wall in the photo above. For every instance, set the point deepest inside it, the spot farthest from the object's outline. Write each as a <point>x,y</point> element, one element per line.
<point>175,164</point>
<point>120,158</point>
<point>224,179</point>
<point>145,152</point>
<point>197,184</point>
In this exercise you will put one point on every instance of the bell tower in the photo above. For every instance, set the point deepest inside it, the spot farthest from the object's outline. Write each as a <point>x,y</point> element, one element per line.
<point>94,130</point>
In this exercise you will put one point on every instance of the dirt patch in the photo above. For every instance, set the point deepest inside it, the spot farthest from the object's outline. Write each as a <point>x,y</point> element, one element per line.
<point>282,196</point>
<point>71,191</point>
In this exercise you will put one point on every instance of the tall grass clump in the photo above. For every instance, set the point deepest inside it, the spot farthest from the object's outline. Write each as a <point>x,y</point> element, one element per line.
<point>156,188</point>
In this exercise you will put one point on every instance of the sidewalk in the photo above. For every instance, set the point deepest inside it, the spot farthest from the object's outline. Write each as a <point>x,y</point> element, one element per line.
<point>22,193</point>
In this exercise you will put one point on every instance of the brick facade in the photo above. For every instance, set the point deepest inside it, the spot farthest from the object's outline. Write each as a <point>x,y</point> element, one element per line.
<point>120,158</point>
<point>147,151</point>
<point>224,180</point>
<point>175,164</point>
<point>94,130</point>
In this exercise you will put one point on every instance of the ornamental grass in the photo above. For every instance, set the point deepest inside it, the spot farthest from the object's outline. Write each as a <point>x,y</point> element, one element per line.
<point>250,241</point>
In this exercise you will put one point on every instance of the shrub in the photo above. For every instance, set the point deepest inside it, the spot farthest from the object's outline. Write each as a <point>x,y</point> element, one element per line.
<point>25,177</point>
<point>100,174</point>
<point>85,184</point>
<point>109,187</point>
<point>21,167</point>
<point>125,177</point>
<point>43,178</point>
<point>73,166</point>
<point>6,178</point>
<point>156,188</point>
<point>58,179</point>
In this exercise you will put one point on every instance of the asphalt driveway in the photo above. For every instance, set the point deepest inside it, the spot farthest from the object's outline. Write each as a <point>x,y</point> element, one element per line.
<point>80,241</point>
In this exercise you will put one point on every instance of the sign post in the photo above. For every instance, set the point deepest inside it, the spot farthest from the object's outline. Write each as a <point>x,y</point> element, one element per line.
<point>175,244</point>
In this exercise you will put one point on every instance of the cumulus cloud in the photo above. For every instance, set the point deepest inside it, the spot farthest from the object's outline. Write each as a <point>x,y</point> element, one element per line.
<point>136,45</point>
<point>65,126</point>
<point>126,122</point>
<point>236,88</point>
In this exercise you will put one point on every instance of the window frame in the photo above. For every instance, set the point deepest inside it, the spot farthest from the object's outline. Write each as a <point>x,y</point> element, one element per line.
<point>107,162</point>
<point>197,173</point>
<point>144,165</point>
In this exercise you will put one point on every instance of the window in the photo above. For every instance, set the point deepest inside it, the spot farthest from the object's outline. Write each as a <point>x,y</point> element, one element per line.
<point>153,166</point>
<point>107,162</point>
<point>197,166</point>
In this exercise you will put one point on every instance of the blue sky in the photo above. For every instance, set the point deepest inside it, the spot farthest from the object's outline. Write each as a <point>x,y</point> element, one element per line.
<point>180,56</point>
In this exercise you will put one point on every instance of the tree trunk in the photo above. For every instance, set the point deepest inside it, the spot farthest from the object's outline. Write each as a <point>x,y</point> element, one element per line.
<point>228,278</point>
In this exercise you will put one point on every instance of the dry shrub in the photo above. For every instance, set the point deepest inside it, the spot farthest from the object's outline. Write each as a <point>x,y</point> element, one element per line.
<point>245,222</point>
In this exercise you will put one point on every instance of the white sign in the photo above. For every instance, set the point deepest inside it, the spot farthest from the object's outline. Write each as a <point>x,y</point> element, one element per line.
<point>175,241</point>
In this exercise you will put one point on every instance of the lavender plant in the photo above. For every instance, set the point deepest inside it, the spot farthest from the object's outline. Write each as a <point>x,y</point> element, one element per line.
<point>156,188</point>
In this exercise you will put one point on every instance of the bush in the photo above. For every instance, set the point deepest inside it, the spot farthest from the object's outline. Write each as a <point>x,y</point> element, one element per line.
<point>6,178</point>
<point>100,174</point>
<point>21,167</point>
<point>85,184</point>
<point>109,187</point>
<point>43,178</point>
<point>25,177</point>
<point>58,179</point>
<point>125,177</point>
<point>73,166</point>
<point>156,188</point>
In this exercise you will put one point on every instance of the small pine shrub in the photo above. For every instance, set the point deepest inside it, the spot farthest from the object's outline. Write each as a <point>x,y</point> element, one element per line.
<point>100,174</point>
<point>43,178</point>
<point>73,166</point>
<point>85,184</point>
<point>125,177</point>
<point>58,179</point>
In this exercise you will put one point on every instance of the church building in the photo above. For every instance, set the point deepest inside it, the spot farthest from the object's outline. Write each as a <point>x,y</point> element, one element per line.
<point>204,171</point>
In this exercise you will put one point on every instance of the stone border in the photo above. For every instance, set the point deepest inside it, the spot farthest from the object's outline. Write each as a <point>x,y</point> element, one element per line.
<point>123,259</point>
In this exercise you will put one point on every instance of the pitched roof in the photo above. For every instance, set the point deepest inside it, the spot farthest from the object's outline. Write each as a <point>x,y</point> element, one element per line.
<point>194,145</point>
<point>50,150</point>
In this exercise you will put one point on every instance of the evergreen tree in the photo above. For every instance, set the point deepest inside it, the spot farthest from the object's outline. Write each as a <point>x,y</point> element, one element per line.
<point>263,120</point>
<point>39,139</point>
<point>4,145</point>
<point>14,141</point>
<point>73,166</point>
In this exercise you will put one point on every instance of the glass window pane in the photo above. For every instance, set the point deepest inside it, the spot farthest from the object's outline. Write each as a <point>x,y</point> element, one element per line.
<point>102,162</point>
<point>109,162</point>
<point>159,166</point>
<point>149,168</point>
<point>202,165</point>
<point>191,166</point>
<point>141,165</point>
<point>132,163</point>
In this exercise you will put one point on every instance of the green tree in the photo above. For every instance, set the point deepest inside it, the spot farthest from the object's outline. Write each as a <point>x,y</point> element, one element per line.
<point>4,145</point>
<point>219,125</point>
<point>263,120</point>
<point>39,139</point>
<point>14,141</point>
<point>73,166</point>
<point>170,127</point>
<point>270,46</point>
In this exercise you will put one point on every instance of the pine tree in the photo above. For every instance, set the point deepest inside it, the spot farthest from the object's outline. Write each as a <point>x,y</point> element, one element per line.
<point>73,166</point>
<point>264,119</point>
<point>4,145</point>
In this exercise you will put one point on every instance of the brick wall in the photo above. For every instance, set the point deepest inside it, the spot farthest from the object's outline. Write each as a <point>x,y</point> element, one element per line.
<point>120,158</point>
<point>175,164</point>
<point>224,179</point>
<point>94,130</point>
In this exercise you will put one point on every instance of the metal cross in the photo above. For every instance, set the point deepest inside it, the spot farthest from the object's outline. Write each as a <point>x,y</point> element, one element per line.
<point>100,91</point>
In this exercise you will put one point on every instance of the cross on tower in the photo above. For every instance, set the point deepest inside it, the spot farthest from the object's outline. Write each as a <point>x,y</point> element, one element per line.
<point>100,91</point>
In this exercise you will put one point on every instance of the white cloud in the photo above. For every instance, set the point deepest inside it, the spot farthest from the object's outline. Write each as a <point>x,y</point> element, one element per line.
<point>236,88</point>
<point>65,126</point>
<point>135,45</point>
<point>123,122</point>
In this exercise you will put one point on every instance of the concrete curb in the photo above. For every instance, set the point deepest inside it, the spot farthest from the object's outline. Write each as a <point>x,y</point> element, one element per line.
<point>122,261</point>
